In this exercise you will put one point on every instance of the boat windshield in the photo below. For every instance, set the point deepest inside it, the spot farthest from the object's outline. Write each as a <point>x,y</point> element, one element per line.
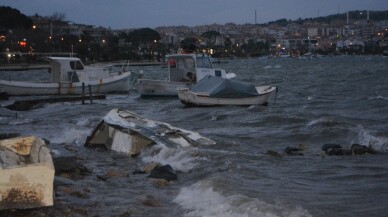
<point>203,62</point>
<point>76,65</point>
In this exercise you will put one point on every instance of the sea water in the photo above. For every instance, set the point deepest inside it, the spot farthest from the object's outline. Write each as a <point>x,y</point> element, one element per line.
<point>342,100</point>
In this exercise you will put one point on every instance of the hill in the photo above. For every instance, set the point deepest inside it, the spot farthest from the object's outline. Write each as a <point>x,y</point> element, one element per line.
<point>353,16</point>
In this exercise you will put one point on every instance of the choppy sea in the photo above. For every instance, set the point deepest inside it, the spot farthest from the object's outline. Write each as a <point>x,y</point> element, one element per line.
<point>342,100</point>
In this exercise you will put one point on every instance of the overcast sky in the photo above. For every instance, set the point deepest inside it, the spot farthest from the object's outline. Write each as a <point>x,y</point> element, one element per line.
<point>122,14</point>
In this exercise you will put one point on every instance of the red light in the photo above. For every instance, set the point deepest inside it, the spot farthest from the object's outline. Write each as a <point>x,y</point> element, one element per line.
<point>23,43</point>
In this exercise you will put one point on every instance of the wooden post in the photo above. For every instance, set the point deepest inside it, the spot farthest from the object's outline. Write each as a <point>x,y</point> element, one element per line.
<point>90,94</point>
<point>83,93</point>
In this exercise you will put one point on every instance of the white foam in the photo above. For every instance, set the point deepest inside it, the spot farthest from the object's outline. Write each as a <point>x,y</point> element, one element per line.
<point>365,137</point>
<point>182,160</point>
<point>20,121</point>
<point>85,122</point>
<point>70,136</point>
<point>201,199</point>
<point>379,97</point>
<point>322,120</point>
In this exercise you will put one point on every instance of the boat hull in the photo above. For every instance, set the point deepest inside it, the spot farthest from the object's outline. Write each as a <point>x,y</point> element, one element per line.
<point>147,87</point>
<point>129,133</point>
<point>188,97</point>
<point>119,83</point>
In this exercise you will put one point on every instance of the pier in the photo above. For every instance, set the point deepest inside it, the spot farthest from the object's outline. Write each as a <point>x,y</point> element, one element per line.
<point>25,105</point>
<point>26,67</point>
<point>23,67</point>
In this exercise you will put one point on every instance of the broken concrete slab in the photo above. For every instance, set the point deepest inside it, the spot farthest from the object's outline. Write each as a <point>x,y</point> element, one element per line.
<point>26,173</point>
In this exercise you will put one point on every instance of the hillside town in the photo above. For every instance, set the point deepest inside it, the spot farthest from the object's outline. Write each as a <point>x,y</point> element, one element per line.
<point>356,32</point>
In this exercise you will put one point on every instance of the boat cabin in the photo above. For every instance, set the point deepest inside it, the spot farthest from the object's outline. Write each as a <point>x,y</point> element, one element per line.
<point>71,69</point>
<point>191,67</point>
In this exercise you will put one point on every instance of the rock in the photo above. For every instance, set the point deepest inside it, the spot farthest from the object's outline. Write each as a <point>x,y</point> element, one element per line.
<point>292,151</point>
<point>327,147</point>
<point>79,194</point>
<point>79,210</point>
<point>138,172</point>
<point>62,181</point>
<point>163,172</point>
<point>272,153</point>
<point>64,161</point>
<point>151,201</point>
<point>126,214</point>
<point>159,182</point>
<point>335,149</point>
<point>3,95</point>
<point>357,149</point>
<point>26,173</point>
<point>82,170</point>
<point>102,177</point>
<point>147,168</point>
<point>338,151</point>
<point>20,106</point>
<point>302,147</point>
<point>116,173</point>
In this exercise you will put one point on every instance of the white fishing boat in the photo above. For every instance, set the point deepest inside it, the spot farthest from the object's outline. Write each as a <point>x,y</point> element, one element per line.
<point>67,77</point>
<point>184,70</point>
<point>127,132</point>
<point>213,91</point>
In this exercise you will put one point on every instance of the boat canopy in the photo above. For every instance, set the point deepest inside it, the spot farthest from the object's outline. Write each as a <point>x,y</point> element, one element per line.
<point>63,69</point>
<point>217,87</point>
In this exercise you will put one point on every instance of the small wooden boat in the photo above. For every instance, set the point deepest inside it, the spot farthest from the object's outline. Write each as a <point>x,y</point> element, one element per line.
<point>68,75</point>
<point>26,173</point>
<point>184,70</point>
<point>213,91</point>
<point>130,133</point>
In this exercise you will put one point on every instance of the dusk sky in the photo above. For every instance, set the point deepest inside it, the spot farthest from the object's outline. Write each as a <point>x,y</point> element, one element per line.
<point>122,14</point>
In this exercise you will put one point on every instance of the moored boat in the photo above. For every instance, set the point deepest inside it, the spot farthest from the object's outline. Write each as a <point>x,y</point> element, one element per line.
<point>213,91</point>
<point>184,70</point>
<point>68,75</point>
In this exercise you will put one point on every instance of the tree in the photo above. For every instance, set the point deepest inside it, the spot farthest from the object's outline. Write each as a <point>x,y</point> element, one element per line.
<point>11,18</point>
<point>189,44</point>
<point>211,36</point>
<point>143,36</point>
<point>58,17</point>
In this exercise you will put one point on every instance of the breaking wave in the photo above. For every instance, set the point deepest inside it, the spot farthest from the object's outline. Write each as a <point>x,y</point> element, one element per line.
<point>201,199</point>
<point>365,137</point>
<point>379,97</point>
<point>69,136</point>
<point>182,160</point>
<point>325,121</point>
